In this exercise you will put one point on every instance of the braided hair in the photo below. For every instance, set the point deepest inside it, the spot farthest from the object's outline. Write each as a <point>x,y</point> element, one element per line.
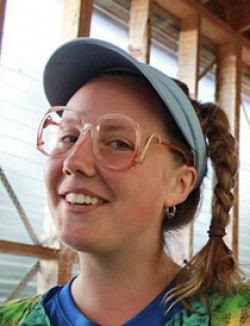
<point>214,265</point>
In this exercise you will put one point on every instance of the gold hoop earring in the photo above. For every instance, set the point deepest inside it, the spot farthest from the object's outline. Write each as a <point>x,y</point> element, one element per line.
<point>170,212</point>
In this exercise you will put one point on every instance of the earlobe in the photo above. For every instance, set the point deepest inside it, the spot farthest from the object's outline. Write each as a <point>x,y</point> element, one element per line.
<point>184,181</point>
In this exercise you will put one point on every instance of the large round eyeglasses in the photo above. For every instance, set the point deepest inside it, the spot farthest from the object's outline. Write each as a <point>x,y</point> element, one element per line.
<point>116,138</point>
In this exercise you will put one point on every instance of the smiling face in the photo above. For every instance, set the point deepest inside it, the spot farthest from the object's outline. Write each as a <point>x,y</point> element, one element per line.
<point>97,209</point>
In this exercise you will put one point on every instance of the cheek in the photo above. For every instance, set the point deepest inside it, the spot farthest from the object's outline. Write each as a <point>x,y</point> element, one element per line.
<point>52,174</point>
<point>139,192</point>
<point>142,213</point>
<point>151,195</point>
<point>153,187</point>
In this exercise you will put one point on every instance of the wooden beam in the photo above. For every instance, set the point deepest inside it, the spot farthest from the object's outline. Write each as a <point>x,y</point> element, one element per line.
<point>212,27</point>
<point>189,52</point>
<point>87,7</point>
<point>77,18</point>
<point>245,51</point>
<point>48,271</point>
<point>23,282</point>
<point>65,265</point>
<point>47,274</point>
<point>229,98</point>
<point>177,8</point>
<point>140,29</point>
<point>237,14</point>
<point>229,81</point>
<point>2,19</point>
<point>188,73</point>
<point>21,249</point>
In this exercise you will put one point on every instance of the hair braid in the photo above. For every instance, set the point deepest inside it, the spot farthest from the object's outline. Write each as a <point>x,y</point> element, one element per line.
<point>222,151</point>
<point>214,264</point>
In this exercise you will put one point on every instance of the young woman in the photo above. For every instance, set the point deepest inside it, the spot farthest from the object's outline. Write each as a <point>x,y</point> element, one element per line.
<point>127,151</point>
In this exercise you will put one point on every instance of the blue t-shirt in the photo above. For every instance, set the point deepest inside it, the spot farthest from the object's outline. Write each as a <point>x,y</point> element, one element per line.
<point>62,310</point>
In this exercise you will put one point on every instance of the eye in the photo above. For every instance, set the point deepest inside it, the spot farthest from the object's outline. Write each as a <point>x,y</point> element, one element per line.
<point>116,138</point>
<point>69,139</point>
<point>121,144</point>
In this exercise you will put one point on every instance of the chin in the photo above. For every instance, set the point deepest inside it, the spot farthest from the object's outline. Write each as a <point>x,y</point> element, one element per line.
<point>77,242</point>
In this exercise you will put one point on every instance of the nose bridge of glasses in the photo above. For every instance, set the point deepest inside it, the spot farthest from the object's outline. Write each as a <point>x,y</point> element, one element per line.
<point>86,130</point>
<point>86,127</point>
<point>84,139</point>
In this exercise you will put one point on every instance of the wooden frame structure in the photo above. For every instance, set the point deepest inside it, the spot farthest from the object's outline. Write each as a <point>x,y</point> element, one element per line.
<point>195,22</point>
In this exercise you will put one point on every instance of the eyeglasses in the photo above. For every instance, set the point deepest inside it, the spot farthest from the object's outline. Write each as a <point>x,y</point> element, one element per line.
<point>116,138</point>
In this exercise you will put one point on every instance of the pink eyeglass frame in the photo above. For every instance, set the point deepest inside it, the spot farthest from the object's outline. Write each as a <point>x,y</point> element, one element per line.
<point>138,157</point>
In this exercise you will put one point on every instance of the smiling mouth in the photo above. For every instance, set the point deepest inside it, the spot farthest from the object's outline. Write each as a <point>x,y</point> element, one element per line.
<point>81,199</point>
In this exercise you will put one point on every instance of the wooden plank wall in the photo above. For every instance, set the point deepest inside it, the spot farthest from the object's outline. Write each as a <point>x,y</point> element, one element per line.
<point>195,22</point>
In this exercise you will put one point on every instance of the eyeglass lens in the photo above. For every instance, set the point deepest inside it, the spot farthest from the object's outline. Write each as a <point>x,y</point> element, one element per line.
<point>115,137</point>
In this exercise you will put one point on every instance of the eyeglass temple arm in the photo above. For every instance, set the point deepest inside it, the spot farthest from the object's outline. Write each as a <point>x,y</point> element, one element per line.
<point>142,156</point>
<point>178,150</point>
<point>160,141</point>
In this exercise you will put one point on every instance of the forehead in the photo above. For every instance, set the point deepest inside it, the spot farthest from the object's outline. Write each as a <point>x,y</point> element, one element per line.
<point>111,94</point>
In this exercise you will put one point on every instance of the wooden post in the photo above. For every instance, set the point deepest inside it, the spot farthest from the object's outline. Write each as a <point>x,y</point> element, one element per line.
<point>189,53</point>
<point>189,46</point>
<point>49,269</point>
<point>229,98</point>
<point>2,18</point>
<point>65,265</point>
<point>47,275</point>
<point>140,29</point>
<point>54,271</point>
<point>77,18</point>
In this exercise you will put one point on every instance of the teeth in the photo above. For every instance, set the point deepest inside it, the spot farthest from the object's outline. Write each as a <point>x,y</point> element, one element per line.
<point>81,199</point>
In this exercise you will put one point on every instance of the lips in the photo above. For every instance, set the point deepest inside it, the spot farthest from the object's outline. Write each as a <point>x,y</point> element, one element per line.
<point>82,199</point>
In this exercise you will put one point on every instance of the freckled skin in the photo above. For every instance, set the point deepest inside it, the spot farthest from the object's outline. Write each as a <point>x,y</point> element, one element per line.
<point>135,197</point>
<point>123,264</point>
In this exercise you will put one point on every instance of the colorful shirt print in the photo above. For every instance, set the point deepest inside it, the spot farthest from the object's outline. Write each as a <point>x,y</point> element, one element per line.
<point>233,310</point>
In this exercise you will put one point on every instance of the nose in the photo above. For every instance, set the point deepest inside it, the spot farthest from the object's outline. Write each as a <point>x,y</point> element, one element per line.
<point>81,160</point>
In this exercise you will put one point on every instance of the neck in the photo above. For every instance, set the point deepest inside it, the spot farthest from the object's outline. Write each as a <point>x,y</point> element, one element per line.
<point>118,286</point>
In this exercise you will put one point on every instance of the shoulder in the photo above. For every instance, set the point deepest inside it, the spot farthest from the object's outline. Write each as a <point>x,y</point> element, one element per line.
<point>233,309</point>
<point>12,312</point>
<point>31,310</point>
